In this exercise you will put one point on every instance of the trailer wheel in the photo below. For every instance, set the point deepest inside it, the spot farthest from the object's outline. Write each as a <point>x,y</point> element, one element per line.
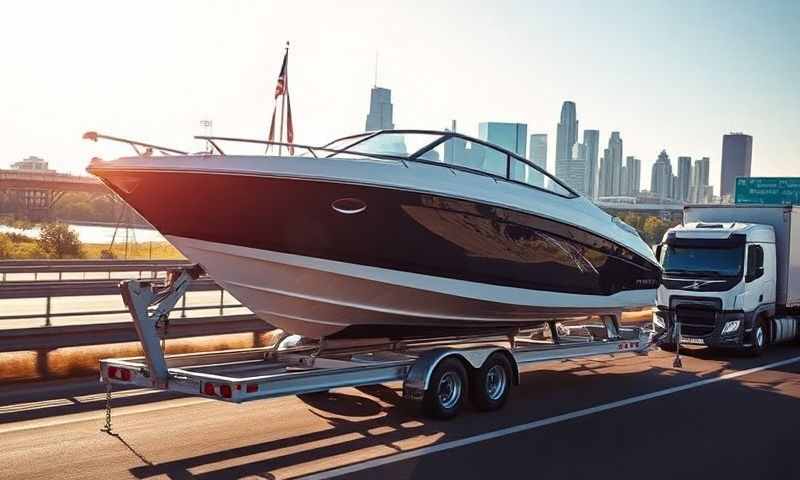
<point>445,393</point>
<point>491,384</point>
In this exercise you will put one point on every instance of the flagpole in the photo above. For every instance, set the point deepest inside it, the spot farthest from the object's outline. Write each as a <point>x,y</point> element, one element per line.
<point>283,99</point>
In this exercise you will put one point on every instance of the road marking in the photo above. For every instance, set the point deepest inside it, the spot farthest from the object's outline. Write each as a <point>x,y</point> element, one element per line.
<point>357,467</point>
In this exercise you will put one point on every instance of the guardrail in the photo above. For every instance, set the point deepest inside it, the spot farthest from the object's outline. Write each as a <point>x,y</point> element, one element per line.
<point>59,267</point>
<point>11,289</point>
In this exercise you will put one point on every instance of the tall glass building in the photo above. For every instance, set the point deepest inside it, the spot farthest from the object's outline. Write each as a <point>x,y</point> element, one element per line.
<point>511,136</point>
<point>537,151</point>
<point>737,153</point>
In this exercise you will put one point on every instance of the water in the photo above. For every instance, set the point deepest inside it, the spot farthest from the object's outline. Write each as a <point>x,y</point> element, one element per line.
<point>96,234</point>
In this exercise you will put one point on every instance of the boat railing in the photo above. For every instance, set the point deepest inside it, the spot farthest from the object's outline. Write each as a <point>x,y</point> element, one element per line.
<point>145,150</point>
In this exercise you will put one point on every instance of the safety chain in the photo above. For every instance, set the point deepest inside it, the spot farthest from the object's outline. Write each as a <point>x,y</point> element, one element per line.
<point>165,322</point>
<point>107,427</point>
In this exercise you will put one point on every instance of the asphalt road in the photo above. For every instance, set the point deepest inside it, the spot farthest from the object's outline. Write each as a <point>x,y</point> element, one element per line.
<point>633,417</point>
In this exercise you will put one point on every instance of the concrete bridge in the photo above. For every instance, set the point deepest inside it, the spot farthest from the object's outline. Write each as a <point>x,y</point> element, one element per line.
<point>37,193</point>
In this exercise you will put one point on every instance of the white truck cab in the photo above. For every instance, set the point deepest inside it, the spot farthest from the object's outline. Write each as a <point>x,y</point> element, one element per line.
<point>731,278</point>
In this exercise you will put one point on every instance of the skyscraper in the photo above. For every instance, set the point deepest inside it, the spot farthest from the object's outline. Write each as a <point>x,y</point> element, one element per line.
<point>575,171</point>
<point>537,154</point>
<point>511,136</point>
<point>566,137</point>
<point>380,110</point>
<point>591,140</point>
<point>633,176</point>
<point>684,178</point>
<point>737,152</point>
<point>611,167</point>
<point>661,180</point>
<point>700,191</point>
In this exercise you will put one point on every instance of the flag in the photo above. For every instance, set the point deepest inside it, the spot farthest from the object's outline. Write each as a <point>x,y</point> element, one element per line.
<point>282,88</point>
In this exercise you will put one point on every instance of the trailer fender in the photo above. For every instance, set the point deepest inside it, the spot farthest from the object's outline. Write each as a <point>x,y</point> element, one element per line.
<point>419,375</point>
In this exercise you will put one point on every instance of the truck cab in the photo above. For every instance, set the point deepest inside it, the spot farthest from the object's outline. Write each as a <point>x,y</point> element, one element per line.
<point>719,285</point>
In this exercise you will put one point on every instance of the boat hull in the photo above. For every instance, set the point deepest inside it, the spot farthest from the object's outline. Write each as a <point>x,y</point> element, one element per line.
<point>322,256</point>
<point>321,298</point>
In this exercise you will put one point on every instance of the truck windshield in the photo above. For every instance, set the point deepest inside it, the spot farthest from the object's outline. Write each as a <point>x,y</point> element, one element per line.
<point>723,262</point>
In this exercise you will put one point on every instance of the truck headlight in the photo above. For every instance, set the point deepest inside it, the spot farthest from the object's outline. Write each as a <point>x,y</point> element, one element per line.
<point>658,321</point>
<point>731,326</point>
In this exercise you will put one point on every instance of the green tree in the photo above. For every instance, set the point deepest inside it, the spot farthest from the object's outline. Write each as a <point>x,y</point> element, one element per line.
<point>654,229</point>
<point>57,240</point>
<point>6,246</point>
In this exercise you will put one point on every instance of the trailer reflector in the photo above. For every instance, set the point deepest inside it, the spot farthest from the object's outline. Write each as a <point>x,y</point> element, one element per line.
<point>225,391</point>
<point>208,389</point>
<point>252,387</point>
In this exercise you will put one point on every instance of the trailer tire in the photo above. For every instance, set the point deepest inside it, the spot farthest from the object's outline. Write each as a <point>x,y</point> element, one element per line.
<point>490,385</point>
<point>446,389</point>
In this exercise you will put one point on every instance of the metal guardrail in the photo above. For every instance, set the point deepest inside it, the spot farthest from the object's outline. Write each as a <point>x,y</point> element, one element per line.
<point>37,338</point>
<point>47,289</point>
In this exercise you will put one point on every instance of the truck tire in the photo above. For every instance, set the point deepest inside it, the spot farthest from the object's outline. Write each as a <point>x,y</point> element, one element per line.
<point>760,341</point>
<point>491,384</point>
<point>446,390</point>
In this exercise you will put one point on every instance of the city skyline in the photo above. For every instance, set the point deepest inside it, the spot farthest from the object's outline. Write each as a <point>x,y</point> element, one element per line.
<point>742,78</point>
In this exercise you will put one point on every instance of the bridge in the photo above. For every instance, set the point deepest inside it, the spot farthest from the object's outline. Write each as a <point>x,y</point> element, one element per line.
<point>38,192</point>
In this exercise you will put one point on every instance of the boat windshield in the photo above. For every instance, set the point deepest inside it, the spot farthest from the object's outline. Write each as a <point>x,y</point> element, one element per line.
<point>453,149</point>
<point>391,144</point>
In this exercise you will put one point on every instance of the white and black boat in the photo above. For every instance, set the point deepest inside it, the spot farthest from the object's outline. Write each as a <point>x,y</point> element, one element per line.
<point>389,234</point>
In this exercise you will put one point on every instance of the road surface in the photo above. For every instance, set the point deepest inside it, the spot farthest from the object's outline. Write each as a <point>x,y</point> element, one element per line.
<point>633,417</point>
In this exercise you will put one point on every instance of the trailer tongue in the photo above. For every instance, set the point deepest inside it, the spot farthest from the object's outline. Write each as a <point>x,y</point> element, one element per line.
<point>439,372</point>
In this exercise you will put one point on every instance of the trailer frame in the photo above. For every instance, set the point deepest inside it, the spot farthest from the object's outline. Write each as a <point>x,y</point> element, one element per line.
<point>290,367</point>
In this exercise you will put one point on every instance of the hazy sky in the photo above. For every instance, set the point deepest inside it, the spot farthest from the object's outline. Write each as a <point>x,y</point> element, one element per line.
<point>670,74</point>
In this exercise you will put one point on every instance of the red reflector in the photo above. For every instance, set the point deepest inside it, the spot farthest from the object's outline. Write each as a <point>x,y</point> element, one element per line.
<point>126,374</point>
<point>225,391</point>
<point>112,372</point>
<point>252,387</point>
<point>208,389</point>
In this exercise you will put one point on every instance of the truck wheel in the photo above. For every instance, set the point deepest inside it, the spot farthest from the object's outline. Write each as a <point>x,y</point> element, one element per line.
<point>491,384</point>
<point>759,341</point>
<point>445,393</point>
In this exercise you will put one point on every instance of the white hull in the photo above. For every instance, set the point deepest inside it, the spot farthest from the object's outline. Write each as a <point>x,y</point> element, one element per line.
<point>316,298</point>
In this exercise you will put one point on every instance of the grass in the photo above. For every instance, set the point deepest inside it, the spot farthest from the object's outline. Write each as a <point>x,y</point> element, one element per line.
<point>18,247</point>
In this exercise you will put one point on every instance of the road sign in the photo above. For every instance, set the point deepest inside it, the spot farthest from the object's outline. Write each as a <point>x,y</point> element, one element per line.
<point>768,190</point>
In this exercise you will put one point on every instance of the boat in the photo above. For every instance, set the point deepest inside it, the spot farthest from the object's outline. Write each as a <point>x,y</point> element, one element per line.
<point>388,234</point>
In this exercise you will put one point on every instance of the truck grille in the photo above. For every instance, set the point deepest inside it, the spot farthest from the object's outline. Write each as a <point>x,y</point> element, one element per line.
<point>696,320</point>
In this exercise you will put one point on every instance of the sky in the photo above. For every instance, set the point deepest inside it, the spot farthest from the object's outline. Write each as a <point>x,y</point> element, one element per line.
<point>672,75</point>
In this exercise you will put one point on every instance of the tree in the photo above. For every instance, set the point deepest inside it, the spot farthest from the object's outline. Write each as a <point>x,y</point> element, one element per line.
<point>57,240</point>
<point>6,246</point>
<point>654,229</point>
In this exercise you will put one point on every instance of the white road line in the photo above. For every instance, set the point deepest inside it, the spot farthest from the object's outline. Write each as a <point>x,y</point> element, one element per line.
<point>357,467</point>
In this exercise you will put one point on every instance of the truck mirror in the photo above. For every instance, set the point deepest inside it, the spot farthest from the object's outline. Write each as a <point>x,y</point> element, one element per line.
<point>657,250</point>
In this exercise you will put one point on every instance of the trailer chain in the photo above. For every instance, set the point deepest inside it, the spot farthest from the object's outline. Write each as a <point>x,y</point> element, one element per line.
<point>164,320</point>
<point>107,427</point>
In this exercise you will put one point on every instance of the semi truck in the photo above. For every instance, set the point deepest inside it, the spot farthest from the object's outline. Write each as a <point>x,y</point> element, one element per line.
<point>731,278</point>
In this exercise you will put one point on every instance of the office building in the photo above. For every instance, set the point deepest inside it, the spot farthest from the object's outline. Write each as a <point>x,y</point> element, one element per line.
<point>566,137</point>
<point>632,176</point>
<point>684,178</point>
<point>512,137</point>
<point>699,190</point>
<point>537,154</point>
<point>737,153</point>
<point>380,110</point>
<point>662,180</point>
<point>591,141</point>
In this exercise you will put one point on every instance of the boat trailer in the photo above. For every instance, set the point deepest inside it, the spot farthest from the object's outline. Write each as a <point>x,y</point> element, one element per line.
<point>439,372</point>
